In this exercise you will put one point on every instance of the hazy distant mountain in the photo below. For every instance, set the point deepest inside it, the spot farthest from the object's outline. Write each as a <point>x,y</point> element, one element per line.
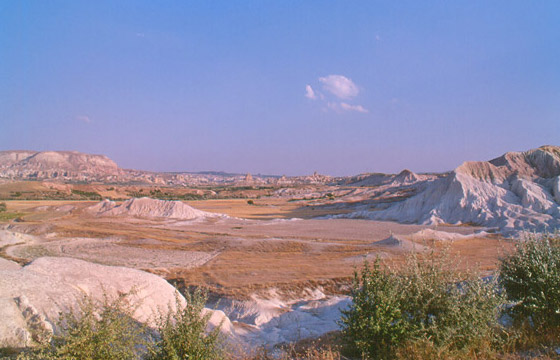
<point>73,166</point>
<point>56,164</point>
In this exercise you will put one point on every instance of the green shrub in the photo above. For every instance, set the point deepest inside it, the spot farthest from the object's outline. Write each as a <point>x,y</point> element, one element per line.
<point>375,324</point>
<point>531,279</point>
<point>101,331</point>
<point>423,303</point>
<point>3,207</point>
<point>182,332</point>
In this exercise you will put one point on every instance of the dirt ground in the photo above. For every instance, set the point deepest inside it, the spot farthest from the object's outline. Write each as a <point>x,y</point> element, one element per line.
<point>271,243</point>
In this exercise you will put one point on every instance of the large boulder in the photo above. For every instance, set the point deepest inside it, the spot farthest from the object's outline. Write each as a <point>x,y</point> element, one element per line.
<point>32,297</point>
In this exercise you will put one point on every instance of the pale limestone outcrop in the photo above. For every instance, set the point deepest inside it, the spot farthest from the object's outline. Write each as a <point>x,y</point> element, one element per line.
<point>515,192</point>
<point>32,297</point>
<point>149,208</point>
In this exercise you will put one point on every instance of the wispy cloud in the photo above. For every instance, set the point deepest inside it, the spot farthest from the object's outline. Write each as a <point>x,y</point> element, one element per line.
<point>83,118</point>
<point>341,107</point>
<point>358,108</point>
<point>340,86</point>
<point>309,93</point>
<point>336,88</point>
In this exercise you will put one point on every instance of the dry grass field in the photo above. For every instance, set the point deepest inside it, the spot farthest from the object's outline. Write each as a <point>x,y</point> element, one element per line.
<point>256,247</point>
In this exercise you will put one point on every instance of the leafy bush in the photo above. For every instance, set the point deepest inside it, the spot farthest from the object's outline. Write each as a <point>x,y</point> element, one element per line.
<point>423,303</point>
<point>182,332</point>
<point>531,279</point>
<point>3,207</point>
<point>97,331</point>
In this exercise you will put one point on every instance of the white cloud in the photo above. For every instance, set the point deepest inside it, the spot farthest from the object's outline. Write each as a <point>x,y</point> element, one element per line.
<point>342,107</point>
<point>358,108</point>
<point>309,93</point>
<point>83,118</point>
<point>336,86</point>
<point>340,86</point>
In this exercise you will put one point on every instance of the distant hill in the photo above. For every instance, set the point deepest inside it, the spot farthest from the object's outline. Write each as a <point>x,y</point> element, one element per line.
<point>73,166</point>
<point>56,165</point>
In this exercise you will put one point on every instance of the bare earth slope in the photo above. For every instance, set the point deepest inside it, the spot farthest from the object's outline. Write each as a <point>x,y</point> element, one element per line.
<point>149,208</point>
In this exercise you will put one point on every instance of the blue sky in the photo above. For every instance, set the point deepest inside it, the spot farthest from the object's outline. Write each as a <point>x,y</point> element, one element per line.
<point>281,87</point>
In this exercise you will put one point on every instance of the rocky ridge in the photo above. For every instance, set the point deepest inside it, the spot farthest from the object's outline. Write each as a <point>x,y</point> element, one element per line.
<point>514,192</point>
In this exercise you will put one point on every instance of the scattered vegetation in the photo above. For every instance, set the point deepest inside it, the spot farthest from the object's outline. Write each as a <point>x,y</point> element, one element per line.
<point>7,215</point>
<point>89,195</point>
<point>95,330</point>
<point>292,352</point>
<point>106,330</point>
<point>167,195</point>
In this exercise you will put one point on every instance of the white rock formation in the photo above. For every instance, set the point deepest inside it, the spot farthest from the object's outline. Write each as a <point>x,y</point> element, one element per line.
<point>270,320</point>
<point>31,297</point>
<point>515,192</point>
<point>149,208</point>
<point>406,177</point>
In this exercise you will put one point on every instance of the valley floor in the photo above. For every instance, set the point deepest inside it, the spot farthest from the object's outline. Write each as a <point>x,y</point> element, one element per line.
<point>278,273</point>
<point>271,243</point>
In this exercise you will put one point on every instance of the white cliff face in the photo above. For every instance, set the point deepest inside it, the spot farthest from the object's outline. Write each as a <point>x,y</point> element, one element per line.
<point>515,192</point>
